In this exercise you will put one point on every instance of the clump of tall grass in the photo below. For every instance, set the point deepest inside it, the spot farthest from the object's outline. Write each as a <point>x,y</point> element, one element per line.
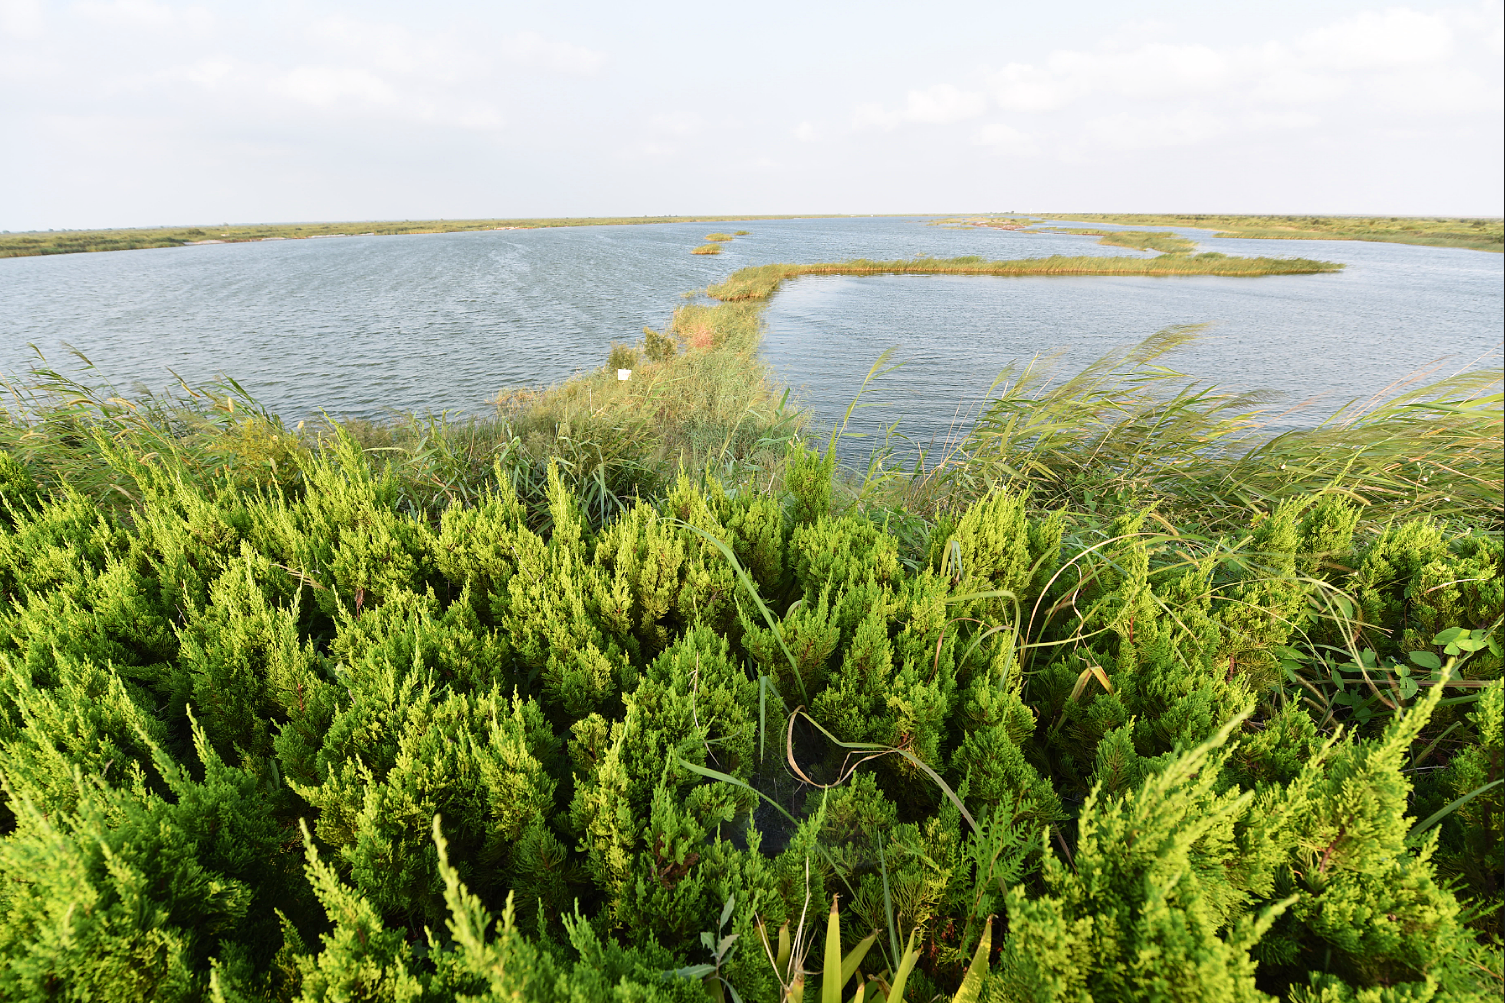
<point>720,238</point>
<point>758,282</point>
<point>707,249</point>
<point>1130,431</point>
<point>698,395</point>
<point>77,435</point>
<point>72,431</point>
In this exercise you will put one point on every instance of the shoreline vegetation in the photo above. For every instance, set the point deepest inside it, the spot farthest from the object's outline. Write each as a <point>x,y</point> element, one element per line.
<point>699,390</point>
<point>33,243</point>
<point>571,701</point>
<point>1475,233</point>
<point>760,281</point>
<point>1163,241</point>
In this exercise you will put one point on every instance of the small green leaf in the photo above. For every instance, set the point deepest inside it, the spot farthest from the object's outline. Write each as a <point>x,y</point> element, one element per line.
<point>1468,644</point>
<point>1408,688</point>
<point>1426,659</point>
<point>1448,636</point>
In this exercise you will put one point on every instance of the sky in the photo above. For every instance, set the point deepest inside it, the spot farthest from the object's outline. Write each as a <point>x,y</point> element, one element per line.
<point>144,113</point>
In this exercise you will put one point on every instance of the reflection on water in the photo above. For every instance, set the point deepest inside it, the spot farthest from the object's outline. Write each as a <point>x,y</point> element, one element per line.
<point>366,325</point>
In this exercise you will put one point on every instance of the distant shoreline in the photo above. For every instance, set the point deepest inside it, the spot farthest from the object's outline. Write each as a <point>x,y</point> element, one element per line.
<point>39,242</point>
<point>1475,233</point>
<point>1483,233</point>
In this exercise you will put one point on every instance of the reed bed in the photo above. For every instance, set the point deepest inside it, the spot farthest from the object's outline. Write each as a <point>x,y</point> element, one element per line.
<point>1141,240</point>
<point>1482,234</point>
<point>758,282</point>
<point>1129,430</point>
<point>707,249</point>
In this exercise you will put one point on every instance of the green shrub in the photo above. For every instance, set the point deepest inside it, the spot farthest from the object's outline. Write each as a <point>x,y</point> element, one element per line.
<point>297,730</point>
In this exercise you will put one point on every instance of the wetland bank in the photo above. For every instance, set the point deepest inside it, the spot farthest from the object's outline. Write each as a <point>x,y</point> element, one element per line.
<point>548,702</point>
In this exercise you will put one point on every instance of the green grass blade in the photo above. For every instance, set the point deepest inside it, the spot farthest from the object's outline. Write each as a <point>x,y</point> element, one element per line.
<point>728,779</point>
<point>901,977</point>
<point>971,987</point>
<point>831,980</point>
<point>1414,836</point>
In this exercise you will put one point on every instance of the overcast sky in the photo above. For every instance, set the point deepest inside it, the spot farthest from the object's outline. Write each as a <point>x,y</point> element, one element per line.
<point>134,112</point>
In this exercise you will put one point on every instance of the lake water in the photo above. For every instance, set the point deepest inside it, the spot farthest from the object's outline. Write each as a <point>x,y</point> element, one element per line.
<point>364,326</point>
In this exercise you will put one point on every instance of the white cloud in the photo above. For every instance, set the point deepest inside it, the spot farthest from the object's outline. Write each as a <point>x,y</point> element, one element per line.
<point>1003,139</point>
<point>536,52</point>
<point>391,47</point>
<point>345,90</point>
<point>21,18</point>
<point>1128,131</point>
<point>805,133</point>
<point>205,72</point>
<point>1397,37</point>
<point>325,86</point>
<point>674,124</point>
<point>938,105</point>
<point>144,14</point>
<point>1023,87</point>
<point>1137,91</point>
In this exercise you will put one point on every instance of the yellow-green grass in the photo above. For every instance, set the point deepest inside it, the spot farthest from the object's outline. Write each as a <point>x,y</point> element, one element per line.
<point>707,249</point>
<point>718,238</point>
<point>1482,233</point>
<point>1130,427</point>
<point>15,245</point>
<point>1141,240</point>
<point>758,282</point>
<point>707,396</point>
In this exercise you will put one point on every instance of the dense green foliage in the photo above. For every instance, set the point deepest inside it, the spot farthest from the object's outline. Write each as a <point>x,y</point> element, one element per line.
<point>281,720</point>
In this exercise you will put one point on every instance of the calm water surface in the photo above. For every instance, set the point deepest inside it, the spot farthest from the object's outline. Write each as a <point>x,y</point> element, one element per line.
<point>367,325</point>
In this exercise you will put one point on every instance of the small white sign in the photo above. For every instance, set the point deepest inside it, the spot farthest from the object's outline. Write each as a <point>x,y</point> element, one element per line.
<point>624,374</point>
